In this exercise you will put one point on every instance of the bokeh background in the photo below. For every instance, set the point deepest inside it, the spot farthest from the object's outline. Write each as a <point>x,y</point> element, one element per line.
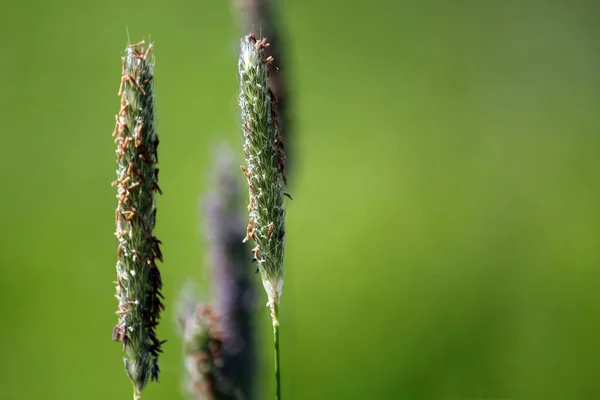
<point>443,240</point>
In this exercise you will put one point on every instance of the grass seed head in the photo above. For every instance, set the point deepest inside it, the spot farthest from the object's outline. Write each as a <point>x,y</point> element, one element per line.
<point>138,278</point>
<point>265,162</point>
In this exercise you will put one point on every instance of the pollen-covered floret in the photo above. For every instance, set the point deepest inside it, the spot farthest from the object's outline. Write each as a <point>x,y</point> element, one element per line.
<point>138,286</point>
<point>265,160</point>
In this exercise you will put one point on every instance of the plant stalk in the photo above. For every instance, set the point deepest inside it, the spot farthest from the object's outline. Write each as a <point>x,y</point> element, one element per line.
<point>265,161</point>
<point>275,315</point>
<point>137,395</point>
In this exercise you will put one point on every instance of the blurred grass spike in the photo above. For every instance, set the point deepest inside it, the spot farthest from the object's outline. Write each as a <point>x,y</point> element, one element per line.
<point>232,273</point>
<point>139,282</point>
<point>264,172</point>
<point>203,341</point>
<point>219,340</point>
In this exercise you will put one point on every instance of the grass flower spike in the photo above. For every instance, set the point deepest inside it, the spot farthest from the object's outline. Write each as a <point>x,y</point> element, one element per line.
<point>218,338</point>
<point>232,272</point>
<point>263,150</point>
<point>265,14</point>
<point>138,278</point>
<point>203,349</point>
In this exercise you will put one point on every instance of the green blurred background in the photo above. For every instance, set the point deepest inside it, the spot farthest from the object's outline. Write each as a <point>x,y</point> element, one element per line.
<point>443,240</point>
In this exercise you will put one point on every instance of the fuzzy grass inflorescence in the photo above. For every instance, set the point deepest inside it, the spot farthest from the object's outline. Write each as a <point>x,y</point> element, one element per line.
<point>232,272</point>
<point>203,339</point>
<point>264,172</point>
<point>265,161</point>
<point>139,282</point>
<point>218,338</point>
<point>265,15</point>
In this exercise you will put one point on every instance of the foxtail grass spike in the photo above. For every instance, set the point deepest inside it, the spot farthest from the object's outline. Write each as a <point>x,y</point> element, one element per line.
<point>138,278</point>
<point>264,15</point>
<point>203,339</point>
<point>265,161</point>
<point>263,150</point>
<point>232,270</point>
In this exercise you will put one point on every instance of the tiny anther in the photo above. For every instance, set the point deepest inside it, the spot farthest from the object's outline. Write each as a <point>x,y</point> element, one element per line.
<point>124,105</point>
<point>133,46</point>
<point>245,172</point>
<point>123,312</point>
<point>263,43</point>
<point>131,170</point>
<point>255,250</point>
<point>270,231</point>
<point>125,143</point>
<point>288,195</point>
<point>114,132</point>
<point>139,86</point>
<point>119,281</point>
<point>116,334</point>
<point>122,126</point>
<point>120,250</point>
<point>148,50</point>
<point>120,92</point>
<point>129,78</point>
<point>128,214</point>
<point>250,230</point>
<point>138,131</point>
<point>123,196</point>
